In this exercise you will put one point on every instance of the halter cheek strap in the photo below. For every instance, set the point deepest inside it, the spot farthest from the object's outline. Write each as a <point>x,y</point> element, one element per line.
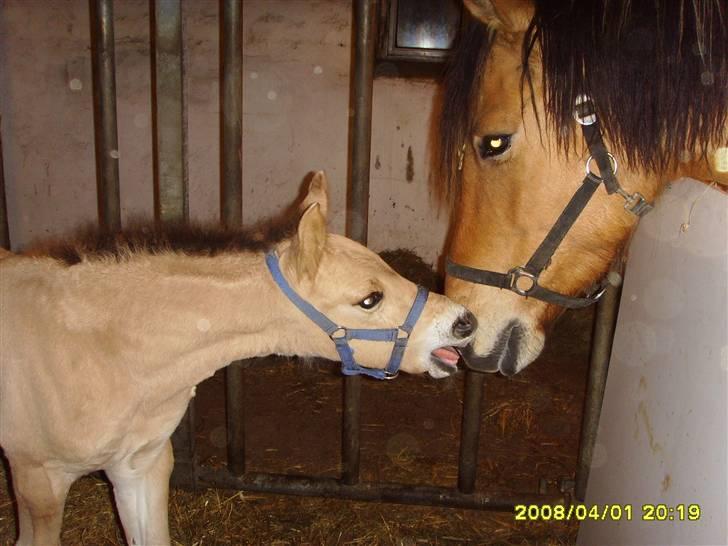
<point>341,335</point>
<point>523,280</point>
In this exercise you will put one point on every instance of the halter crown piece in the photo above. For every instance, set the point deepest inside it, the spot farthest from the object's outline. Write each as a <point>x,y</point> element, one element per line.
<point>523,280</point>
<point>341,335</point>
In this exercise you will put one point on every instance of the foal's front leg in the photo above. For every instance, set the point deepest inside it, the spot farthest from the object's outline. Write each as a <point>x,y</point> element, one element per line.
<point>41,493</point>
<point>141,490</point>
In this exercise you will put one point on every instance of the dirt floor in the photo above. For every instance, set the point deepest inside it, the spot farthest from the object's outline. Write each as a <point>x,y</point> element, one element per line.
<point>409,434</point>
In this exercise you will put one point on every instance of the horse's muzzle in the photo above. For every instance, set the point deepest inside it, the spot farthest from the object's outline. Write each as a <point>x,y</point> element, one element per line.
<point>504,355</point>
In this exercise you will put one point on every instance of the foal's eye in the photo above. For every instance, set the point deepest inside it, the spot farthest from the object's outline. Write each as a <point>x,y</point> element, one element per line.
<point>371,300</point>
<point>493,145</point>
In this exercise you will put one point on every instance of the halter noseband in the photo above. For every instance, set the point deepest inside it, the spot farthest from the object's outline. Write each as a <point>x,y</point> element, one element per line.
<point>341,335</point>
<point>513,280</point>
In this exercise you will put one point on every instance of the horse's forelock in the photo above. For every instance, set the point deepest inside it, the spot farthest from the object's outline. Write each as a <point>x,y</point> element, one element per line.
<point>462,85</point>
<point>656,71</point>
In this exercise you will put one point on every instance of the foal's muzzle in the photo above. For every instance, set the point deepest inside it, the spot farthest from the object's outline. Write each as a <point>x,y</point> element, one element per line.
<point>464,325</point>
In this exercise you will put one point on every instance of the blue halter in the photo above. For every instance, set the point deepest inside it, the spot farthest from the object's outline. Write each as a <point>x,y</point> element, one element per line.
<point>341,335</point>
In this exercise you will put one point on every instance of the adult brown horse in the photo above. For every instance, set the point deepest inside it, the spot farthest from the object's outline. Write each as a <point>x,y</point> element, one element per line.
<point>652,74</point>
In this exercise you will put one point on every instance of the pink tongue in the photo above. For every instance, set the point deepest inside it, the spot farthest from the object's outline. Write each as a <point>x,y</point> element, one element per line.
<point>447,355</point>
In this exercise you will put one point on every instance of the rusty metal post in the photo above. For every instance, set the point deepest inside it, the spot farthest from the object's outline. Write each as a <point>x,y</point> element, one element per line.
<point>605,323</point>
<point>4,231</point>
<point>231,205</point>
<point>105,133</point>
<point>168,112</point>
<point>470,431</point>
<point>231,112</point>
<point>362,84</point>
<point>170,176</point>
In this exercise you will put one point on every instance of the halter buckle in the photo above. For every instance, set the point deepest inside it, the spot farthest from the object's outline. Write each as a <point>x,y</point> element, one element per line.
<point>339,333</point>
<point>635,203</point>
<point>390,375</point>
<point>517,273</point>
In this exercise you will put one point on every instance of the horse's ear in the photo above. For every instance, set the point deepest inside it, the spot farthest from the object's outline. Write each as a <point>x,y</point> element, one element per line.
<point>307,246</point>
<point>506,15</point>
<point>317,193</point>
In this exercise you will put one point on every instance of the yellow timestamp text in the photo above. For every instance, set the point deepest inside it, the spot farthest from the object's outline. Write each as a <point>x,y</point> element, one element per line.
<point>607,512</point>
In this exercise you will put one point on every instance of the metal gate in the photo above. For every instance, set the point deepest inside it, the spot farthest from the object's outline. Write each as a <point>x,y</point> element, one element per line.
<point>171,205</point>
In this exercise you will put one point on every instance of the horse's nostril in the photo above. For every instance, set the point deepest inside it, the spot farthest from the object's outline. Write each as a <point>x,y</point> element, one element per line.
<point>464,325</point>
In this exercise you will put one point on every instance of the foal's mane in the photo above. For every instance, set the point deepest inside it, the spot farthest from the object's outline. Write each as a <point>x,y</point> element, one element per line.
<point>91,243</point>
<point>656,70</point>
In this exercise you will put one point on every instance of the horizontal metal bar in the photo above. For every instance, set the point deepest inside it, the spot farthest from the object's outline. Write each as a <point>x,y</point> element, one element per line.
<point>378,492</point>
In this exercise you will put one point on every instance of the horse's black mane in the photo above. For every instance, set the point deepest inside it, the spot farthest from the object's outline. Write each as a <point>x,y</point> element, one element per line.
<point>91,243</point>
<point>657,72</point>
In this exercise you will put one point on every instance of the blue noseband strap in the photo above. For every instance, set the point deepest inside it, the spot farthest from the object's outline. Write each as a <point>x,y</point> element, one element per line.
<point>341,335</point>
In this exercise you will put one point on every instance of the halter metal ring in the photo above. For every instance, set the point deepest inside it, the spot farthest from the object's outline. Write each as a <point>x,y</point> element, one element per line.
<point>518,273</point>
<point>589,173</point>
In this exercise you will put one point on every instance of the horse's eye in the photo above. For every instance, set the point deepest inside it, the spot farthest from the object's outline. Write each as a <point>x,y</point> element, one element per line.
<point>493,145</point>
<point>371,300</point>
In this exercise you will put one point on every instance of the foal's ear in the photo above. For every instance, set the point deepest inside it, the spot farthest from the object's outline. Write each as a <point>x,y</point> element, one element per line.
<point>506,15</point>
<point>308,244</point>
<point>317,193</point>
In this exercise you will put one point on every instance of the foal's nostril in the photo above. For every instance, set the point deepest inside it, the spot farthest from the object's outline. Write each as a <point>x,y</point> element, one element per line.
<point>464,325</point>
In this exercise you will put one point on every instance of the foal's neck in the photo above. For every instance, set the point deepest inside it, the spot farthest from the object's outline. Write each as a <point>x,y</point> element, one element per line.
<point>180,318</point>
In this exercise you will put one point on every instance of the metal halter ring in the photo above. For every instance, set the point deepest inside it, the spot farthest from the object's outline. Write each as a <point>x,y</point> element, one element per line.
<point>589,173</point>
<point>518,273</point>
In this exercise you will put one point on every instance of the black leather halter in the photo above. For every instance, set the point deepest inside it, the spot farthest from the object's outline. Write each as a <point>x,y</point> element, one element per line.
<point>523,280</point>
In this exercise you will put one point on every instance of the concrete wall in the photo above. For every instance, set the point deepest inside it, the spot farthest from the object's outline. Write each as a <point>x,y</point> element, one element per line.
<point>295,120</point>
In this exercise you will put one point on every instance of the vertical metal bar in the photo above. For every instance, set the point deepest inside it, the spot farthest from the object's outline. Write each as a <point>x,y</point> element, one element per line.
<point>361,141</point>
<point>105,133</point>
<point>470,431</point>
<point>170,181</point>
<point>231,112</point>
<point>350,452</point>
<point>604,326</point>
<point>231,204</point>
<point>4,231</point>
<point>167,101</point>
<point>358,203</point>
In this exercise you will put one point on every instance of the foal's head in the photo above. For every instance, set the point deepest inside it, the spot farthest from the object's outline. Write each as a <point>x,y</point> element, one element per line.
<point>355,288</point>
<point>513,156</point>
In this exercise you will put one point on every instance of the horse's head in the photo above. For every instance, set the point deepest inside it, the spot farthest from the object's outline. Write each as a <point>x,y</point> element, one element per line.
<point>354,288</point>
<point>513,162</point>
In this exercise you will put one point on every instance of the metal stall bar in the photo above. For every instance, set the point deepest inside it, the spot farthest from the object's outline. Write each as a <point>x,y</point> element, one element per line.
<point>105,133</point>
<point>4,231</point>
<point>376,492</point>
<point>231,205</point>
<point>602,338</point>
<point>170,182</point>
<point>362,84</point>
<point>167,103</point>
<point>470,431</point>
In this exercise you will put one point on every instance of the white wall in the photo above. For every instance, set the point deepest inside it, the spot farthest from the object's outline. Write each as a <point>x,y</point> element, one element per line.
<point>295,118</point>
<point>663,433</point>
